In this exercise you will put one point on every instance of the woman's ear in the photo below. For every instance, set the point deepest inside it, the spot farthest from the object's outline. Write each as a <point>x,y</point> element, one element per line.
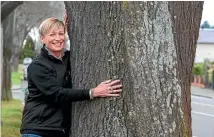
<point>42,39</point>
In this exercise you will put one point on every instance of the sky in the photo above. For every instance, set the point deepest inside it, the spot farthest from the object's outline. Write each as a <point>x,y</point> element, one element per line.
<point>208,12</point>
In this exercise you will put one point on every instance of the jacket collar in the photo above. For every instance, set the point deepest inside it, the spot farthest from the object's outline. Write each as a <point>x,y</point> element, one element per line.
<point>48,53</point>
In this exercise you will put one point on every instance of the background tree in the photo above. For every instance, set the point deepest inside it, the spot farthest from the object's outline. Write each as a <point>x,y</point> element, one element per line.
<point>8,28</point>
<point>28,49</point>
<point>7,7</point>
<point>150,46</point>
<point>205,25</point>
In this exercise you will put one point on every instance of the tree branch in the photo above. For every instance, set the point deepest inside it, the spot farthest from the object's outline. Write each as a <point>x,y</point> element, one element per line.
<point>7,7</point>
<point>27,30</point>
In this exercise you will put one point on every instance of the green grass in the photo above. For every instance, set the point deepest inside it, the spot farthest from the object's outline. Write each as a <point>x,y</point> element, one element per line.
<point>11,117</point>
<point>17,76</point>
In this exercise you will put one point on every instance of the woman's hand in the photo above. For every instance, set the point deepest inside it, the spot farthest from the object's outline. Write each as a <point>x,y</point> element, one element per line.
<point>107,88</point>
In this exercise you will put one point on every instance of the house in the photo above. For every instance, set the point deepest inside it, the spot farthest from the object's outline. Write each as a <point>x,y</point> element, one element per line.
<point>205,45</point>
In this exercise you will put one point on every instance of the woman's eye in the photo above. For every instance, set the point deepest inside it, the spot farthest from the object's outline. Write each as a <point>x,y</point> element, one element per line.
<point>52,34</point>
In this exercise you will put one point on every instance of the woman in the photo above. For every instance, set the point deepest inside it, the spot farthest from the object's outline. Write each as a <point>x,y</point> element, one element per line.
<point>47,110</point>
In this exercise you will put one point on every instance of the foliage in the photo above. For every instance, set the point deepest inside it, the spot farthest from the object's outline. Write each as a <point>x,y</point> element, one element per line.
<point>198,69</point>
<point>205,25</point>
<point>28,50</point>
<point>11,118</point>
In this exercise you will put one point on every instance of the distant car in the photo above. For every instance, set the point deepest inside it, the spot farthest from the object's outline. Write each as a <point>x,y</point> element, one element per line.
<point>26,63</point>
<point>25,71</point>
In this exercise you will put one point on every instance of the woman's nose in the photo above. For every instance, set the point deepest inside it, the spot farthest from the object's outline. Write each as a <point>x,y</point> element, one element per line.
<point>58,37</point>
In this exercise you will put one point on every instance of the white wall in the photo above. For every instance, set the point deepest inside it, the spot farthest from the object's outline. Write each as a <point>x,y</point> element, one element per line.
<point>204,51</point>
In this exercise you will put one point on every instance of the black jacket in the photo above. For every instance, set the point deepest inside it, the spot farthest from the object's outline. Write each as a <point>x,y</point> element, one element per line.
<point>47,109</point>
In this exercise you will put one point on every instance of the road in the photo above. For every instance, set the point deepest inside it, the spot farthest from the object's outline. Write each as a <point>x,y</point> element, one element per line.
<point>202,117</point>
<point>202,113</point>
<point>18,93</point>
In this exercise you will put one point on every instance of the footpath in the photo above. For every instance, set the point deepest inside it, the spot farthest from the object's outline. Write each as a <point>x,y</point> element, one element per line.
<point>203,92</point>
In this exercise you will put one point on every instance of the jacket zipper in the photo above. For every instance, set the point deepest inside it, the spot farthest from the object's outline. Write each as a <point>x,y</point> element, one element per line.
<point>63,131</point>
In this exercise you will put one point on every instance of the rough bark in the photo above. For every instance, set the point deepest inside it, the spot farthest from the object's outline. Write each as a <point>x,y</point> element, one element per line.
<point>7,44</point>
<point>1,60</point>
<point>6,93</point>
<point>150,46</point>
<point>7,7</point>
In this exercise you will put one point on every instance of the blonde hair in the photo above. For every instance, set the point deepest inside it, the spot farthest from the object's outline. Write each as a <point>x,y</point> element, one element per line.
<point>48,24</point>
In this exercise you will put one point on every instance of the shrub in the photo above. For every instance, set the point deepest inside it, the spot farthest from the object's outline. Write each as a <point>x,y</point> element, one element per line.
<point>198,70</point>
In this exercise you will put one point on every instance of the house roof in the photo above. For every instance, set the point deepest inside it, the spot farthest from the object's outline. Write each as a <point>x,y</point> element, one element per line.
<point>206,36</point>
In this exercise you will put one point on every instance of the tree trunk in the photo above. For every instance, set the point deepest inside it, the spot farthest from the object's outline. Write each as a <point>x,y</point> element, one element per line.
<point>7,52</point>
<point>150,46</point>
<point>14,61</point>
<point>1,60</point>
<point>6,89</point>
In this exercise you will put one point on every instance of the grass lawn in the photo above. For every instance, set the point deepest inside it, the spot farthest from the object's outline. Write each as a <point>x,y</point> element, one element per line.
<point>16,76</point>
<point>11,117</point>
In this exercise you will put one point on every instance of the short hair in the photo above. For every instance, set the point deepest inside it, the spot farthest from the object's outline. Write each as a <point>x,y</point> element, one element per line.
<point>49,23</point>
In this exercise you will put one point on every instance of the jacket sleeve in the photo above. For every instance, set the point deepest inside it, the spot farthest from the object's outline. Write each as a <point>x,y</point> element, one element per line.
<point>44,79</point>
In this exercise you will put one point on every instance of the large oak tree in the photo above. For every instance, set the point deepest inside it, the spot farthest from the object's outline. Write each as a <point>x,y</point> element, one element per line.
<point>151,47</point>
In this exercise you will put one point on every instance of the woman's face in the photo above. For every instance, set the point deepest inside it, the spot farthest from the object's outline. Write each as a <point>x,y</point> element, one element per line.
<point>54,39</point>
